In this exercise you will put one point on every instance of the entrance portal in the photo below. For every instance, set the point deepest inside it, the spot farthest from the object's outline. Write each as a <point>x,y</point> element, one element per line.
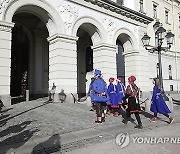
<point>120,61</point>
<point>84,61</point>
<point>29,57</point>
<point>19,61</point>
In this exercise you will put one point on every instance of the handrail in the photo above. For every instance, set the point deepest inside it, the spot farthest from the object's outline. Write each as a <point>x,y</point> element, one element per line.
<point>79,100</point>
<point>142,102</point>
<point>178,101</point>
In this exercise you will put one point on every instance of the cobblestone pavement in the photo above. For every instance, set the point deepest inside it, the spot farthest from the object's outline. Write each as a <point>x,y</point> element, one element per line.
<point>39,127</point>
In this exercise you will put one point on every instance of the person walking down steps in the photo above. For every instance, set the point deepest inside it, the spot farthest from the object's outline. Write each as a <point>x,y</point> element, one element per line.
<point>133,102</point>
<point>112,98</point>
<point>99,91</point>
<point>120,90</point>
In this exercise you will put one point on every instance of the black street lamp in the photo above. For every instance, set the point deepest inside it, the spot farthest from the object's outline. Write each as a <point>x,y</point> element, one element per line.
<point>159,37</point>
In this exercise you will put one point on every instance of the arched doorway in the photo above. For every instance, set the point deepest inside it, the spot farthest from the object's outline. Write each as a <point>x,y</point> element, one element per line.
<point>89,33</point>
<point>29,57</point>
<point>19,61</point>
<point>120,62</point>
<point>84,61</point>
<point>39,21</point>
<point>125,47</point>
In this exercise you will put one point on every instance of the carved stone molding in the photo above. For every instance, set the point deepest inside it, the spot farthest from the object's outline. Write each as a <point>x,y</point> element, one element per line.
<point>114,7</point>
<point>3,4</point>
<point>104,46</point>
<point>110,26</point>
<point>4,26</point>
<point>69,14</point>
<point>135,30</point>
<point>62,38</point>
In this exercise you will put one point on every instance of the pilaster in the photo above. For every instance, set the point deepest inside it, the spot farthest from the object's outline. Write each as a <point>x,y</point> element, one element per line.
<point>63,64</point>
<point>104,57</point>
<point>5,61</point>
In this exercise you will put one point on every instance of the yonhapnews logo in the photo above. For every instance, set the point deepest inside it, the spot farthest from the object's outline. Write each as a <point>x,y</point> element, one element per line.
<point>122,140</point>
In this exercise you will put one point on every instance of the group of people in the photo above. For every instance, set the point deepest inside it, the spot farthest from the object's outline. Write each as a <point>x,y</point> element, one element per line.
<point>109,99</point>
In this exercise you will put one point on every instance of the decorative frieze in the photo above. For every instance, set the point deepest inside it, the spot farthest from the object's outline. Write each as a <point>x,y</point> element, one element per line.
<point>135,30</point>
<point>69,14</point>
<point>109,5</point>
<point>110,26</point>
<point>3,4</point>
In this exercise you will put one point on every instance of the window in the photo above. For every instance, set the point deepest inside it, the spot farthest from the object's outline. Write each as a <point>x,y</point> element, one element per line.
<point>155,10</point>
<point>121,2</point>
<point>157,69</point>
<point>171,88</point>
<point>166,16</point>
<point>141,6</point>
<point>170,72</point>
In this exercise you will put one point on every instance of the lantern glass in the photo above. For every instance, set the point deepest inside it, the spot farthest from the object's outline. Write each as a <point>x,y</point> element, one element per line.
<point>146,39</point>
<point>160,33</point>
<point>156,25</point>
<point>169,37</point>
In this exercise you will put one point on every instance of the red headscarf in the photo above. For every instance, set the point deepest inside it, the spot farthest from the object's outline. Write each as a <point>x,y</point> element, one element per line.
<point>132,78</point>
<point>111,79</point>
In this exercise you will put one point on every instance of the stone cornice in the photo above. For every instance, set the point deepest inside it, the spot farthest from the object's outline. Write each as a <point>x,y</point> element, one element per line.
<point>105,46</point>
<point>63,38</point>
<point>124,11</point>
<point>178,1</point>
<point>6,26</point>
<point>130,53</point>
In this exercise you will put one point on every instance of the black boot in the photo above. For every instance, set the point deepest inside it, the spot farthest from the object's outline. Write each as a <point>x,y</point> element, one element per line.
<point>124,121</point>
<point>139,126</point>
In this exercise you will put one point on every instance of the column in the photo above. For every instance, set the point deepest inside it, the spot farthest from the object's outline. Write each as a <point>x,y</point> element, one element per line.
<point>63,65</point>
<point>104,58</point>
<point>5,61</point>
<point>38,62</point>
<point>137,64</point>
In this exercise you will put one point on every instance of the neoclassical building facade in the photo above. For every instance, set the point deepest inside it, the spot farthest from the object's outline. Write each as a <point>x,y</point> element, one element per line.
<point>63,41</point>
<point>168,13</point>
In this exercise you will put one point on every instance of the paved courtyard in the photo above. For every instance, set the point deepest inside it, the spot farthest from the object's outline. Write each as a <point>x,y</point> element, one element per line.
<point>40,127</point>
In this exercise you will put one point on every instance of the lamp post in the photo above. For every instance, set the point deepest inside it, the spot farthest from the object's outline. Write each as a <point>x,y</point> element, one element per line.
<point>159,37</point>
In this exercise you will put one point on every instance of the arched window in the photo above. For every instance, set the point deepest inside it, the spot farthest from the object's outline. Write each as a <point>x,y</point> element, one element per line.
<point>170,72</point>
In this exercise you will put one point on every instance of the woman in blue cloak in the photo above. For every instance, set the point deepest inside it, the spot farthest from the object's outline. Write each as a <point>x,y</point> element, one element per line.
<point>113,102</point>
<point>99,93</point>
<point>158,104</point>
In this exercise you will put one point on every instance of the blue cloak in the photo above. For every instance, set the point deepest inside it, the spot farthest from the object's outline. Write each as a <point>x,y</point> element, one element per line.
<point>120,90</point>
<point>112,96</point>
<point>158,103</point>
